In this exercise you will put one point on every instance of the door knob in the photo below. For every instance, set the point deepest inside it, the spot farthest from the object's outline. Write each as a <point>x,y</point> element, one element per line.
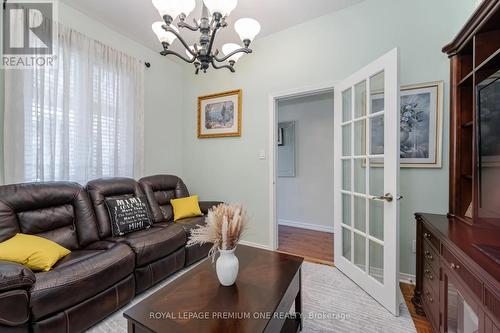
<point>387,197</point>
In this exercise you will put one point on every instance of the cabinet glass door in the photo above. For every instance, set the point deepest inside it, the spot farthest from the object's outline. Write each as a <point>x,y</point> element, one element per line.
<point>461,317</point>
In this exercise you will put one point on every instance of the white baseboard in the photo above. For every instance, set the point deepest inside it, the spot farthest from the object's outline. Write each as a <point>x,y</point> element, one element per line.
<point>257,245</point>
<point>307,226</point>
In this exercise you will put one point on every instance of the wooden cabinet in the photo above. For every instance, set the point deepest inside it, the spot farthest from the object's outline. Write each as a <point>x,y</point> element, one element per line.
<point>458,255</point>
<point>458,286</point>
<point>474,169</point>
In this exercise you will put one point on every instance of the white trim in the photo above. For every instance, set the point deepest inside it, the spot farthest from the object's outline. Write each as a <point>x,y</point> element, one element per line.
<point>273,97</point>
<point>407,278</point>
<point>308,226</point>
<point>257,245</point>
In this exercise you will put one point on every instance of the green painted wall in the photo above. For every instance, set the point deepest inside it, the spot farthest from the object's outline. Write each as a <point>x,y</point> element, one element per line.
<point>325,49</point>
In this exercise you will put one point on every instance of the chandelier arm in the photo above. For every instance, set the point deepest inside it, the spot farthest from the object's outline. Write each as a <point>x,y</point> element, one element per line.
<point>214,65</point>
<point>168,29</point>
<point>244,49</point>
<point>183,24</point>
<point>212,38</point>
<point>167,52</point>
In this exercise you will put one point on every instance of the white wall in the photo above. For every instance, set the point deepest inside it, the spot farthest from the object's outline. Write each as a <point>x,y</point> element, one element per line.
<point>325,49</point>
<point>307,198</point>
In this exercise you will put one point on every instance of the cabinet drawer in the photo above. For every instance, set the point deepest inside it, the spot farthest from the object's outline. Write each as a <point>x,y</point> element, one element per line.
<point>431,278</point>
<point>463,273</point>
<point>431,257</point>
<point>431,306</point>
<point>492,302</point>
<point>429,236</point>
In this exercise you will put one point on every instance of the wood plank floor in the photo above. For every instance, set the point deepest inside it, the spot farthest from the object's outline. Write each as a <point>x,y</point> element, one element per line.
<point>421,323</point>
<point>316,246</point>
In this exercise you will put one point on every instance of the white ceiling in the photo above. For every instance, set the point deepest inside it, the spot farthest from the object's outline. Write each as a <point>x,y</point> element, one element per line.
<point>133,18</point>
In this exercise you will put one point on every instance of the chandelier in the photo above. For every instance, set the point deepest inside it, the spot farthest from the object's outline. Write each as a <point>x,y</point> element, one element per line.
<point>213,18</point>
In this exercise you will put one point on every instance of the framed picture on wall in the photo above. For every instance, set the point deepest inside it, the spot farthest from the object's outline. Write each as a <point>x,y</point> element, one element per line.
<point>421,125</point>
<point>219,115</point>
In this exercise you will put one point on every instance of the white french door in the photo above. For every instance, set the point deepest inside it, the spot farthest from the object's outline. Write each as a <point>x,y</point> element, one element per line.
<point>367,179</point>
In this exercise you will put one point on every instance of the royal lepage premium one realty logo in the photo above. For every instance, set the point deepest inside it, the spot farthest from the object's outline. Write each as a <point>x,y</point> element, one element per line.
<point>29,34</point>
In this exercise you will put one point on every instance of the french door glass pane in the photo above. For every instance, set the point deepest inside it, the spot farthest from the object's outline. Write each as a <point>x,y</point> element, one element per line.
<point>347,105</point>
<point>359,137</point>
<point>377,176</point>
<point>377,219</point>
<point>376,261</point>
<point>346,140</point>
<point>346,209</point>
<point>346,175</point>
<point>360,175</point>
<point>377,92</point>
<point>346,244</point>
<point>360,100</point>
<point>360,213</point>
<point>377,135</point>
<point>359,251</point>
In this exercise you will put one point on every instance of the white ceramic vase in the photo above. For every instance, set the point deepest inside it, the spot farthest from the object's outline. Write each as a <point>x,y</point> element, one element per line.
<point>227,267</point>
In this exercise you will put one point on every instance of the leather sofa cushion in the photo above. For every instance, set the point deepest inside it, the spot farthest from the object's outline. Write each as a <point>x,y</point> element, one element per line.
<point>59,211</point>
<point>159,191</point>
<point>154,243</point>
<point>15,276</point>
<point>190,223</point>
<point>195,252</point>
<point>110,188</point>
<point>82,275</point>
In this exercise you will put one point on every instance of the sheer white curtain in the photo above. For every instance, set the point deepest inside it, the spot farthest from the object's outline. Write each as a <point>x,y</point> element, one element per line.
<point>79,121</point>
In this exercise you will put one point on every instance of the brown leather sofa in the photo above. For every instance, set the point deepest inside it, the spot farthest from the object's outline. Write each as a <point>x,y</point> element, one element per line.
<point>102,273</point>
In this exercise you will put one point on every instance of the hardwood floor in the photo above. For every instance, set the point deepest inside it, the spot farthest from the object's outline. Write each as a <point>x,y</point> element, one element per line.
<point>316,246</point>
<point>421,323</point>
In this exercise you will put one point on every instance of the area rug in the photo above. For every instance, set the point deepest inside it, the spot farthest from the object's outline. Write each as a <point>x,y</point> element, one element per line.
<point>331,303</point>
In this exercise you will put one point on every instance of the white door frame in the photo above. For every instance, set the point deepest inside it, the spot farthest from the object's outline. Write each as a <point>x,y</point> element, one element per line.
<point>273,99</point>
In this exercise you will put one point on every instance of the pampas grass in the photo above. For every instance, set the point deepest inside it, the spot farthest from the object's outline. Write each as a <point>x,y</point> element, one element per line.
<point>224,228</point>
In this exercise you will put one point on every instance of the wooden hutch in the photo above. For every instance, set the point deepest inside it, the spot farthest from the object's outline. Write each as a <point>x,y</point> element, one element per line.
<point>458,255</point>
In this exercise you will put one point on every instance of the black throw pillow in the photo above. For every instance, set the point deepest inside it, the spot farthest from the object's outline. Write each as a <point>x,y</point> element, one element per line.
<point>128,215</point>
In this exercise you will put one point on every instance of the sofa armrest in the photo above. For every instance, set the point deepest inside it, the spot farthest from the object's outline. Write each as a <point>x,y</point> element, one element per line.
<point>15,276</point>
<point>206,205</point>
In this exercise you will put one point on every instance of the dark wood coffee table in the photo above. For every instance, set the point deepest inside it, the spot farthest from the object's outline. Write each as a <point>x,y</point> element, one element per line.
<point>268,283</point>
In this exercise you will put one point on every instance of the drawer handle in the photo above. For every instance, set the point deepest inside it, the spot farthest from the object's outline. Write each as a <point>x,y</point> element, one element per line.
<point>426,235</point>
<point>429,297</point>
<point>454,266</point>
<point>428,255</point>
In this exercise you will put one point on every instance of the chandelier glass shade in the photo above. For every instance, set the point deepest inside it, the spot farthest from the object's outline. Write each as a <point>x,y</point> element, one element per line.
<point>213,18</point>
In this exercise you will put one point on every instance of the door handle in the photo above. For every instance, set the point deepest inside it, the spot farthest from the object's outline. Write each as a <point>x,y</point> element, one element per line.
<point>387,197</point>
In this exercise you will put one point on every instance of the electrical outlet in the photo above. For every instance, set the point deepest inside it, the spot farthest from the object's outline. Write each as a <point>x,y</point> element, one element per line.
<point>414,246</point>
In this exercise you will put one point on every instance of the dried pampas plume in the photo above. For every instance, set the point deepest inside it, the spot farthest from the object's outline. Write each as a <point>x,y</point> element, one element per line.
<point>224,228</point>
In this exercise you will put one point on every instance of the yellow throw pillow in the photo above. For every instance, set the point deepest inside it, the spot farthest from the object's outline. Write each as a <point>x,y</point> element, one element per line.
<point>36,253</point>
<point>186,207</point>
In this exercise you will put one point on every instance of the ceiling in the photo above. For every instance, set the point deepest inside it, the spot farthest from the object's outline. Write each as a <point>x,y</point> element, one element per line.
<point>133,18</point>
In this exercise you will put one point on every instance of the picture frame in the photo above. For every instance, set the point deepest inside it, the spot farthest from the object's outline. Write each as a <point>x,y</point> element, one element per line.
<point>219,115</point>
<point>421,129</point>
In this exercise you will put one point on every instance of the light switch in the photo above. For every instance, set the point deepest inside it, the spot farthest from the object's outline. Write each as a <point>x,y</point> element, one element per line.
<point>262,154</point>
